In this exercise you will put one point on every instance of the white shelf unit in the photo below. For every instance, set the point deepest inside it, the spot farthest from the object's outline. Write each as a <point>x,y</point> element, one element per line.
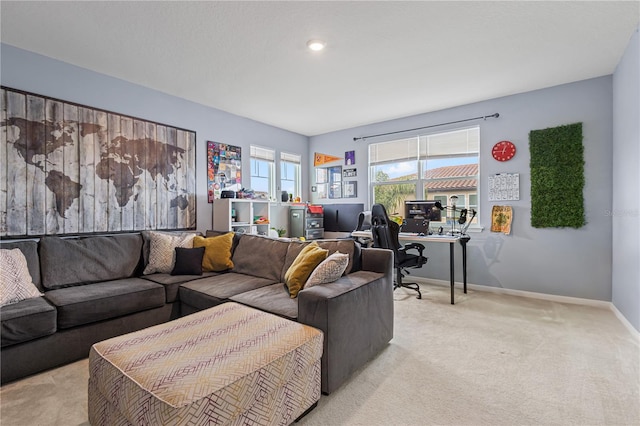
<point>246,212</point>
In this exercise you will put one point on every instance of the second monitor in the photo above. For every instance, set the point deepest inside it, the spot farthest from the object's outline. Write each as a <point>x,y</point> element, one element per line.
<point>422,209</point>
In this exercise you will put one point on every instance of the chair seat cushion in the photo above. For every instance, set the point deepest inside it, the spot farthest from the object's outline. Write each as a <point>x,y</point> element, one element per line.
<point>96,302</point>
<point>273,298</point>
<point>27,320</point>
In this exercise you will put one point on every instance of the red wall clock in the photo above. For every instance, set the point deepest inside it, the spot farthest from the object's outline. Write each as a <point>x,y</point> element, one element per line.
<point>503,151</point>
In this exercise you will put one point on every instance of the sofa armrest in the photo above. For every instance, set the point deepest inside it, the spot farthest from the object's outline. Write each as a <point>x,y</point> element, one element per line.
<point>377,260</point>
<point>356,315</point>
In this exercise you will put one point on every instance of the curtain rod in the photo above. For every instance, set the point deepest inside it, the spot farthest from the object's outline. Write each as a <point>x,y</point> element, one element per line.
<point>483,117</point>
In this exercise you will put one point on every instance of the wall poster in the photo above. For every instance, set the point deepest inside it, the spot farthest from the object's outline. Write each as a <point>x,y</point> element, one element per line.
<point>73,169</point>
<point>504,187</point>
<point>224,164</point>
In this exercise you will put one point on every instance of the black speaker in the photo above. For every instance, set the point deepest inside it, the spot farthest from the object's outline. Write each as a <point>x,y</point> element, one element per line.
<point>228,194</point>
<point>284,196</point>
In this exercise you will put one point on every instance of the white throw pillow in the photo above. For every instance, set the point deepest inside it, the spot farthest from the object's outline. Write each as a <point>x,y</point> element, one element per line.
<point>15,280</point>
<point>329,270</point>
<point>162,251</point>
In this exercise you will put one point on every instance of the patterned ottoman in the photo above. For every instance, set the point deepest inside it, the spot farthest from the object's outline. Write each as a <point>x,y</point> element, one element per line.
<point>230,364</point>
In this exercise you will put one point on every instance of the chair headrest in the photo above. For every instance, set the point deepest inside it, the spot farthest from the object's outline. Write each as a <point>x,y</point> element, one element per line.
<point>364,221</point>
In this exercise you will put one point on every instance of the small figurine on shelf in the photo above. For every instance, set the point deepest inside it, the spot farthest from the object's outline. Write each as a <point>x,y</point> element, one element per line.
<point>291,198</point>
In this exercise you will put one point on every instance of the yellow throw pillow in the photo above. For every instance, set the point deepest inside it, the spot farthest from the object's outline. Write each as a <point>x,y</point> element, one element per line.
<point>303,265</point>
<point>217,252</point>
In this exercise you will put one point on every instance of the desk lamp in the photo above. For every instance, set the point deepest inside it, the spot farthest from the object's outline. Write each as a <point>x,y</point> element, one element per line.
<point>461,220</point>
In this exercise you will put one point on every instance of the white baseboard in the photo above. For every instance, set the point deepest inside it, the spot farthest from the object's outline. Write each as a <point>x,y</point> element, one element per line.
<point>624,321</point>
<point>542,296</point>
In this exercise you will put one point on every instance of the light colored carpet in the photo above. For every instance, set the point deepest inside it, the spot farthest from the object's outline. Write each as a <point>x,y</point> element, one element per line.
<point>490,359</point>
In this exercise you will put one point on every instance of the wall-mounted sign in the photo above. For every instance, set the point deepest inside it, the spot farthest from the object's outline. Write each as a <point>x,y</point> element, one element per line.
<point>349,173</point>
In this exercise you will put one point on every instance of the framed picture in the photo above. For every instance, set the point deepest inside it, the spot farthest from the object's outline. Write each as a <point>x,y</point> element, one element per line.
<point>349,158</point>
<point>322,175</point>
<point>224,164</point>
<point>350,189</point>
<point>335,174</point>
<point>335,190</point>
<point>75,169</point>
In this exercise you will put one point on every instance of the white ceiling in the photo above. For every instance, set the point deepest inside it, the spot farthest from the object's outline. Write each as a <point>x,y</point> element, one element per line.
<point>383,60</point>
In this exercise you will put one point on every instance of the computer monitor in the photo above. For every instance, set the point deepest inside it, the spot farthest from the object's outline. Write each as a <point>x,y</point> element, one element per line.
<point>422,209</point>
<point>341,217</point>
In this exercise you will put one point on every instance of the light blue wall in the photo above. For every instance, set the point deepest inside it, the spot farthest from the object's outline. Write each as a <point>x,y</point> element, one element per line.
<point>31,72</point>
<point>567,262</point>
<point>626,184</point>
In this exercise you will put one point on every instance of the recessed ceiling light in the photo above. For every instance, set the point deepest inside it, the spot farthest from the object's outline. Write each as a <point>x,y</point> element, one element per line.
<point>316,45</point>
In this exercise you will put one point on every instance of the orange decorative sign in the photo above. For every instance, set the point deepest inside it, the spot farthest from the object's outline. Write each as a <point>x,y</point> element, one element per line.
<point>320,159</point>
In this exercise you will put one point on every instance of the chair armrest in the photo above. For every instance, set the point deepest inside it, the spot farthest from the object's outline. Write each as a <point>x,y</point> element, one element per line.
<point>412,246</point>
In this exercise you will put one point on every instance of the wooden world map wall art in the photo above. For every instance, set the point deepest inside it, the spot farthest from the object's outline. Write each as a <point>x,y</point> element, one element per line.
<point>71,169</point>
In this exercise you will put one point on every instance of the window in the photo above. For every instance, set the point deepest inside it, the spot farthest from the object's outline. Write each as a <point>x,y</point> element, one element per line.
<point>290,176</point>
<point>263,171</point>
<point>428,167</point>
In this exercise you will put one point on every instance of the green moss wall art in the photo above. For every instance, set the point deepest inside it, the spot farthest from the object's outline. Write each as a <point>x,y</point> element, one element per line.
<point>557,177</point>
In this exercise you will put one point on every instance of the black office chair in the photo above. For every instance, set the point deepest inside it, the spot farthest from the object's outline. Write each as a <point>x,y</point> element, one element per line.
<point>385,235</point>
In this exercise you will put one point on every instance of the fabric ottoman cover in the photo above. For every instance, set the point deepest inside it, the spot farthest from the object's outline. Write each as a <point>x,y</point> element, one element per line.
<point>229,364</point>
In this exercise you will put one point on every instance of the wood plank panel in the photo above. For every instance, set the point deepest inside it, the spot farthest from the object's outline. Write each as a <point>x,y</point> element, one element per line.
<point>101,184</point>
<point>139,168</point>
<point>3,162</point>
<point>87,130</point>
<point>125,163</point>
<point>16,166</point>
<point>182,162</point>
<point>151,187</point>
<point>54,168</point>
<point>113,172</point>
<point>170,174</point>
<point>71,167</point>
<point>35,159</point>
<point>191,179</point>
<point>162,190</point>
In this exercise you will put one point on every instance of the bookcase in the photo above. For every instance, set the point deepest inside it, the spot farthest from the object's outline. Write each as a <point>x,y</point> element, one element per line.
<point>241,216</point>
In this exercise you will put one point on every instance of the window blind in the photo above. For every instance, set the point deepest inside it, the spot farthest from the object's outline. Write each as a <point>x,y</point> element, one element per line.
<point>263,153</point>
<point>398,150</point>
<point>290,158</point>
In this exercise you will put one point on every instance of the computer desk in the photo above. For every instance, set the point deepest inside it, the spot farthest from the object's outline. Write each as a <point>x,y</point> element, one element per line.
<point>462,239</point>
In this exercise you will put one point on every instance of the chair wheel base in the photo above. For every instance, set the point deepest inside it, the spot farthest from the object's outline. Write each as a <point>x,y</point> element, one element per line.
<point>411,286</point>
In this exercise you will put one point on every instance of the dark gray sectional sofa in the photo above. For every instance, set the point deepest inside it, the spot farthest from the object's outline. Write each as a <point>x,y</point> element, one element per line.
<point>94,289</point>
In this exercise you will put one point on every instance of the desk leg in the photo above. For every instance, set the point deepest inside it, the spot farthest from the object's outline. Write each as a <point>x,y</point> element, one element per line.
<point>464,264</point>
<point>451,269</point>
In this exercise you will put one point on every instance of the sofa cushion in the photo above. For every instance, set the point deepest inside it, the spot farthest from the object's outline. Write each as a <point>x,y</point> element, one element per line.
<point>207,292</point>
<point>188,261</point>
<point>329,270</point>
<point>217,252</point>
<point>347,246</point>
<point>27,320</point>
<point>302,267</point>
<point>272,298</point>
<point>67,262</point>
<point>146,241</point>
<point>16,284</point>
<point>100,301</point>
<point>162,253</point>
<point>235,241</point>
<point>171,283</point>
<point>30,251</point>
<point>260,256</point>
